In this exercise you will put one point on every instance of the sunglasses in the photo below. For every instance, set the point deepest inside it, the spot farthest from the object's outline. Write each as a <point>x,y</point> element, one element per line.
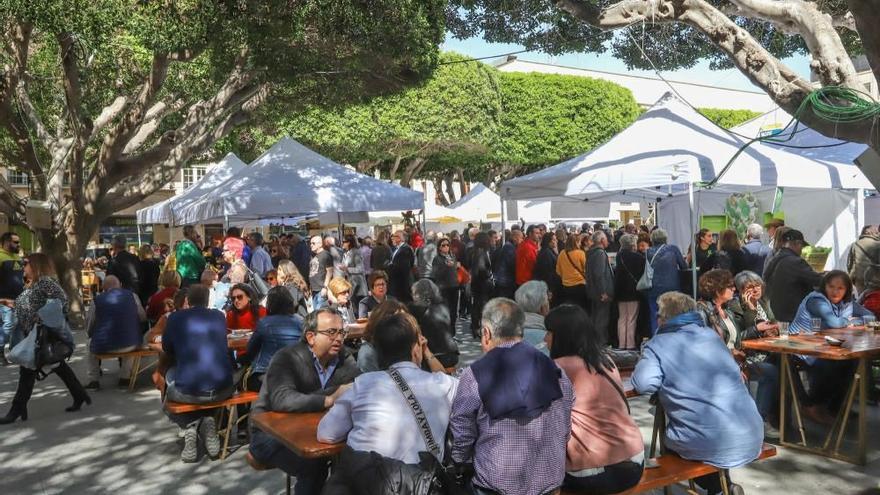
<point>334,332</point>
<point>239,297</point>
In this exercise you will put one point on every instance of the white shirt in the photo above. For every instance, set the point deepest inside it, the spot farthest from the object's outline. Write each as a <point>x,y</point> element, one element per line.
<point>375,416</point>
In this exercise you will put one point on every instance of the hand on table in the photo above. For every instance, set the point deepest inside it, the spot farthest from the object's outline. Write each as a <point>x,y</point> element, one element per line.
<point>767,329</point>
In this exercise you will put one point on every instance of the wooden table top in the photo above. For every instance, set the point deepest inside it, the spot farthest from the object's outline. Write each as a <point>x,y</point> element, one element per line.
<point>298,432</point>
<point>857,343</point>
<point>356,330</point>
<point>234,343</point>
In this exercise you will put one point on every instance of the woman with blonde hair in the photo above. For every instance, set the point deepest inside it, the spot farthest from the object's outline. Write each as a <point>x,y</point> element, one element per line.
<point>290,278</point>
<point>170,283</point>
<point>339,293</point>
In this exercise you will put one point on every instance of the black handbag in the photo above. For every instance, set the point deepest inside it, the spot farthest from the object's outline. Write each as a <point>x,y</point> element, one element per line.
<point>257,283</point>
<point>50,348</point>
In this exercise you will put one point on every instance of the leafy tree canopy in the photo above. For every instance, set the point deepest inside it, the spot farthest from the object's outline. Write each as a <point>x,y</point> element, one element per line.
<point>728,118</point>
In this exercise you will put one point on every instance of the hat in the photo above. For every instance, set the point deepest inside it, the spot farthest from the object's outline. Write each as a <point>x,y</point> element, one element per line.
<point>794,235</point>
<point>775,223</point>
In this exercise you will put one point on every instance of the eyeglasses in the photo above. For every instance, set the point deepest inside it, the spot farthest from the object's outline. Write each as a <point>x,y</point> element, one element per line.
<point>333,333</point>
<point>239,297</point>
<point>444,245</point>
<point>271,279</point>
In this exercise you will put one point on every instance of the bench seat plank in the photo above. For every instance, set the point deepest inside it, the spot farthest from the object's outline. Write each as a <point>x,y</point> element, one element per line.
<point>239,398</point>
<point>674,469</point>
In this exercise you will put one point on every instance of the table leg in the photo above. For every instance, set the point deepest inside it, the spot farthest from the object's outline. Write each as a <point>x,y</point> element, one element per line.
<point>135,370</point>
<point>864,370</point>
<point>788,382</point>
<point>783,386</point>
<point>843,414</point>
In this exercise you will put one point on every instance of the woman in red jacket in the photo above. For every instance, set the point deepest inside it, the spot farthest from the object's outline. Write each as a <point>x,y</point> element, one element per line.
<point>246,311</point>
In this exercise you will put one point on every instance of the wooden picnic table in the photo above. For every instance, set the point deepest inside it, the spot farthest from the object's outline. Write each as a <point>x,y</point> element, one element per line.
<point>859,344</point>
<point>235,343</point>
<point>298,432</point>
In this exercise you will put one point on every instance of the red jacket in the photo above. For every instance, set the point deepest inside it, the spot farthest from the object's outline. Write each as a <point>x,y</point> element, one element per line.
<point>242,321</point>
<point>871,301</point>
<point>526,255</point>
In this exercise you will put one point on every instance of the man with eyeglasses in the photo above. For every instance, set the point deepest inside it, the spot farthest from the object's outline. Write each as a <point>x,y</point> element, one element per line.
<point>11,286</point>
<point>305,377</point>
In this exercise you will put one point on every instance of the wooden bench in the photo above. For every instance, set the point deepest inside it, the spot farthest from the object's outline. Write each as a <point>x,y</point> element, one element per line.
<point>136,356</point>
<point>673,469</point>
<point>258,466</point>
<point>228,405</point>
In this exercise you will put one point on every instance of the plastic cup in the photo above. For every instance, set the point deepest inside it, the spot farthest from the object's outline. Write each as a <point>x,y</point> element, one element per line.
<point>870,321</point>
<point>783,330</point>
<point>815,325</point>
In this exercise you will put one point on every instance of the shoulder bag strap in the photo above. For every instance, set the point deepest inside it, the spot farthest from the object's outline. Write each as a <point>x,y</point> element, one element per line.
<point>655,254</point>
<point>418,412</point>
<point>570,260</point>
<point>617,387</point>
<point>626,268</point>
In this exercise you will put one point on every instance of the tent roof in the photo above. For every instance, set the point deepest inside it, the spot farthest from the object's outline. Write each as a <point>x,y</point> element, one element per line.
<point>291,180</point>
<point>836,151</point>
<point>162,212</point>
<point>480,203</point>
<point>672,145</point>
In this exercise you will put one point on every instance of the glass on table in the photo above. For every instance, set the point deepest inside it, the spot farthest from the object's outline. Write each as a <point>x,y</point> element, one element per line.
<point>783,330</point>
<point>815,325</point>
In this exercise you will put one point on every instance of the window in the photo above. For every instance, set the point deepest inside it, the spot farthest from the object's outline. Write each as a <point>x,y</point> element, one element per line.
<point>191,175</point>
<point>16,178</point>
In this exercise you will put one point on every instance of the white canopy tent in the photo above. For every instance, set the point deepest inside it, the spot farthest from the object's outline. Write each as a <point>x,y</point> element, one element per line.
<point>163,211</point>
<point>292,180</point>
<point>671,152</point>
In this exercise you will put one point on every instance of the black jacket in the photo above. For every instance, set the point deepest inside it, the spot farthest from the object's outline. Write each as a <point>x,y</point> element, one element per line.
<point>732,261</point>
<point>400,273</point>
<point>436,325</point>
<point>291,383</point>
<point>789,279</point>
<point>545,269</point>
<point>630,267</point>
<point>482,279</point>
<point>444,274</point>
<point>149,279</point>
<point>127,268</point>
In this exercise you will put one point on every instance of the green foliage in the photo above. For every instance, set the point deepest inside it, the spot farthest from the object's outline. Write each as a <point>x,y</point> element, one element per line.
<point>467,116</point>
<point>728,118</point>
<point>549,118</point>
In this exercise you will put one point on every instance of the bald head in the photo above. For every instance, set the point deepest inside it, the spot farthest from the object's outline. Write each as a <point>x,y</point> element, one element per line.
<point>111,282</point>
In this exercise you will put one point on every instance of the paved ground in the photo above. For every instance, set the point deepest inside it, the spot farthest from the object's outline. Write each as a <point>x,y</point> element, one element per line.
<point>123,443</point>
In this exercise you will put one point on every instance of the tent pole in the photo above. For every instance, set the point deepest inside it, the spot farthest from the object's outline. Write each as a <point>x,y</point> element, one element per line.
<point>503,216</point>
<point>139,236</point>
<point>692,230</point>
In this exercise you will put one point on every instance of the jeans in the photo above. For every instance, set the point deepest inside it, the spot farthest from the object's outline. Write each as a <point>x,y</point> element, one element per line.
<point>652,312</point>
<point>829,382</point>
<point>311,474</point>
<point>7,319</point>
<point>767,397</point>
<point>710,482</point>
<point>174,395</point>
<point>615,478</point>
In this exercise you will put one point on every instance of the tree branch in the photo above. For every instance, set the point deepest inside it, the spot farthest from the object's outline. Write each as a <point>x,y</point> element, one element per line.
<point>107,115</point>
<point>867,20</point>
<point>33,120</point>
<point>72,86</point>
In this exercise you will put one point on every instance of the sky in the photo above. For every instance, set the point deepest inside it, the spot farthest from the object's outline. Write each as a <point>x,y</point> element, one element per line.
<point>701,73</point>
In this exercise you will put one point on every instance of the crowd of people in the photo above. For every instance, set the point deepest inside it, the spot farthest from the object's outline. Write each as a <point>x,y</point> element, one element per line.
<point>542,408</point>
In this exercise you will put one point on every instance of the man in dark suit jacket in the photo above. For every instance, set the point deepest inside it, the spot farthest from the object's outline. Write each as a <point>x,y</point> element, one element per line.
<point>600,283</point>
<point>292,383</point>
<point>126,266</point>
<point>400,268</point>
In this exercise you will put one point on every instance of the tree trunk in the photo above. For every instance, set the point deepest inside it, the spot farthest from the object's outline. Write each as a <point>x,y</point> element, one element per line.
<point>462,184</point>
<point>439,197</point>
<point>448,180</point>
<point>412,170</point>
<point>66,253</point>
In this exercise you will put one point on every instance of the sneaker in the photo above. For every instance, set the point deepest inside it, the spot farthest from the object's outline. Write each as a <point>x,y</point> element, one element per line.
<point>93,385</point>
<point>209,436</point>
<point>190,450</point>
<point>770,432</point>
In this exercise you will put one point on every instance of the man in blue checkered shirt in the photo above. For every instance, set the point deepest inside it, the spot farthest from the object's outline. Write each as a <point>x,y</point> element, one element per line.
<point>511,416</point>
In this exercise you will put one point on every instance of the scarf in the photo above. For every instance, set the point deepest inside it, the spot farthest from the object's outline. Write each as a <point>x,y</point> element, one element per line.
<point>516,382</point>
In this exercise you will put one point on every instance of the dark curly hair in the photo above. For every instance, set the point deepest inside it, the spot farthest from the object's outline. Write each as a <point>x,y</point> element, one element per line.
<point>714,282</point>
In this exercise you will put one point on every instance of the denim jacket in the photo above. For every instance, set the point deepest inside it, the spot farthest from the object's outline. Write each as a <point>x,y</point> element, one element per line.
<point>273,332</point>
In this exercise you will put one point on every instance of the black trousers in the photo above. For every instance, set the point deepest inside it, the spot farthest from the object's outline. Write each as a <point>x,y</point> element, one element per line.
<point>480,299</point>
<point>450,295</point>
<point>575,294</point>
<point>27,378</point>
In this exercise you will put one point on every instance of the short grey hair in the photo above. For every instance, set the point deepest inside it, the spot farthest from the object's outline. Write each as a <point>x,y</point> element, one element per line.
<point>473,231</point>
<point>532,296</point>
<point>628,242</point>
<point>658,237</point>
<point>746,278</point>
<point>111,282</point>
<point>598,236</point>
<point>504,318</point>
<point>755,231</point>
<point>426,291</point>
<point>672,304</point>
